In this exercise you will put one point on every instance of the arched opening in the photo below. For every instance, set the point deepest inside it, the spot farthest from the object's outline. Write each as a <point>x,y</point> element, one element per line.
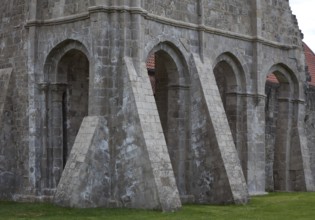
<point>171,88</point>
<point>279,130</point>
<point>226,81</point>
<point>73,71</point>
<point>230,82</point>
<point>271,106</point>
<point>66,104</point>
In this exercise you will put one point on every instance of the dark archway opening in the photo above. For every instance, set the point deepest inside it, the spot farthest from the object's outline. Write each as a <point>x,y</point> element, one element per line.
<point>229,81</point>
<point>279,110</point>
<point>271,115</point>
<point>67,106</point>
<point>74,65</point>
<point>172,95</point>
<point>226,81</point>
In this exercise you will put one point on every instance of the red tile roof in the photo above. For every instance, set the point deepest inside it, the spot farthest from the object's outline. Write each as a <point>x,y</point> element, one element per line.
<point>310,61</point>
<point>151,62</point>
<point>272,78</point>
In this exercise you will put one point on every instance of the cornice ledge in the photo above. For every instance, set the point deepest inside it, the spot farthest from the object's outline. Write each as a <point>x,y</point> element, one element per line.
<point>159,19</point>
<point>58,21</point>
<point>112,9</point>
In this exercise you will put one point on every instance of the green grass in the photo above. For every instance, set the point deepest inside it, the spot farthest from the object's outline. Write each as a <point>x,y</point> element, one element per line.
<point>273,206</point>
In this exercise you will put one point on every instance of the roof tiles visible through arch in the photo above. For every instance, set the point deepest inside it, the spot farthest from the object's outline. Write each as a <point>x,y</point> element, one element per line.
<point>310,61</point>
<point>309,58</point>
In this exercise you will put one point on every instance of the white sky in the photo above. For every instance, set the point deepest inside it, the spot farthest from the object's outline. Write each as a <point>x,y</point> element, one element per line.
<point>305,13</point>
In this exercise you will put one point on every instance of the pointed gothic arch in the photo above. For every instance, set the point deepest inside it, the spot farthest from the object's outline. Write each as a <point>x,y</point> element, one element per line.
<point>66,97</point>
<point>285,170</point>
<point>231,81</point>
<point>172,95</point>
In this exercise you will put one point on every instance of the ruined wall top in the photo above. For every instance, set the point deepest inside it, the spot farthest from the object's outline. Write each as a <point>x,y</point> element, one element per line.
<point>278,22</point>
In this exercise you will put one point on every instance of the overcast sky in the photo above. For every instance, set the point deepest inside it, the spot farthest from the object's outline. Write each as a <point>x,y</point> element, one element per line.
<point>305,13</point>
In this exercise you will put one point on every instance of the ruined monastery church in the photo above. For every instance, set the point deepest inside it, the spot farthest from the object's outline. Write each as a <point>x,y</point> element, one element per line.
<point>153,103</point>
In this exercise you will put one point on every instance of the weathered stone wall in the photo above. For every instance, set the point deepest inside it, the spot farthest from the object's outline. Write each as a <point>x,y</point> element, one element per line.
<point>14,121</point>
<point>95,38</point>
<point>278,23</point>
<point>58,8</point>
<point>8,157</point>
<point>310,125</point>
<point>58,100</point>
<point>228,15</point>
<point>186,10</point>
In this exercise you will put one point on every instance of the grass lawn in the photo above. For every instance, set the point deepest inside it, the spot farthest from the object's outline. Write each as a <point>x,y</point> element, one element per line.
<point>282,206</point>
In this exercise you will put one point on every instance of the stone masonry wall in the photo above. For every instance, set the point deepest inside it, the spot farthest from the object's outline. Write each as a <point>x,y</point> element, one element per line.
<point>186,10</point>
<point>13,50</point>
<point>7,154</point>
<point>35,41</point>
<point>222,14</point>
<point>310,125</point>
<point>278,23</point>
<point>56,8</point>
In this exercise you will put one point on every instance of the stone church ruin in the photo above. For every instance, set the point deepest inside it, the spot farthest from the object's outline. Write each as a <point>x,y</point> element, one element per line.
<point>82,124</point>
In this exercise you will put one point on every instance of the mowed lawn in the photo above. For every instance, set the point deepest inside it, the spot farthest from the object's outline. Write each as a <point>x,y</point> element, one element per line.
<point>282,206</point>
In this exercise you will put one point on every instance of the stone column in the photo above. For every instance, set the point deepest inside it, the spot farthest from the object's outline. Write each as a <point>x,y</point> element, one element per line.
<point>201,33</point>
<point>256,179</point>
<point>137,32</point>
<point>55,150</point>
<point>255,144</point>
<point>282,145</point>
<point>44,93</point>
<point>177,134</point>
<point>32,170</point>
<point>257,17</point>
